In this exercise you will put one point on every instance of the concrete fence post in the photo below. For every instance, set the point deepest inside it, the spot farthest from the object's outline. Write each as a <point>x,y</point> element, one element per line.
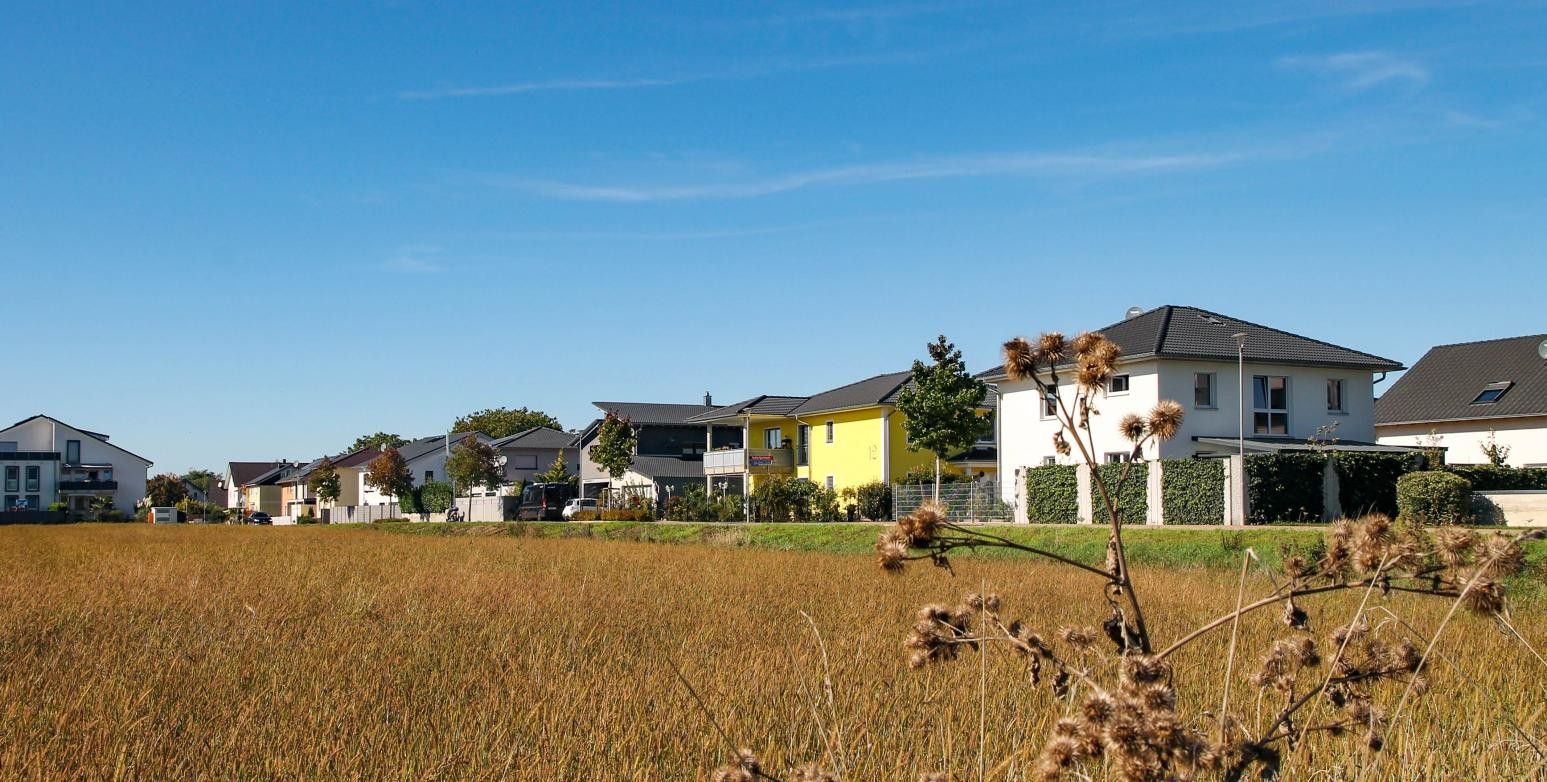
<point>1155,504</point>
<point>1083,487</point>
<point>1331,502</point>
<point>1235,491</point>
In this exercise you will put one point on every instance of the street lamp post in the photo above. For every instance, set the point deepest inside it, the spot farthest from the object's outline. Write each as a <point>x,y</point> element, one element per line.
<point>1240,388</point>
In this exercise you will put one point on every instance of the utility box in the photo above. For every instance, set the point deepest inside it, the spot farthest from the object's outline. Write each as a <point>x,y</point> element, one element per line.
<point>163,515</point>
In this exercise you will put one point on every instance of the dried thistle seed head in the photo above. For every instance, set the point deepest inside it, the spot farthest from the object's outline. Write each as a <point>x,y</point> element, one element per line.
<point>1372,542</point>
<point>1452,545</point>
<point>924,521</point>
<point>1099,709</point>
<point>1295,566</point>
<point>892,549</point>
<point>1501,555</point>
<point>1091,375</point>
<point>743,767</point>
<point>1132,427</point>
<point>1060,444</point>
<point>1085,342</point>
<point>1078,637</point>
<point>811,772</point>
<point>1486,595</point>
<point>1052,346</point>
<point>1144,669</point>
<point>1020,359</point>
<point>1165,419</point>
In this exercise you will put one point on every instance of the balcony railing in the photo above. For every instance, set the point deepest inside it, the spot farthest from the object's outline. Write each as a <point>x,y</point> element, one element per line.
<point>88,485</point>
<point>756,461</point>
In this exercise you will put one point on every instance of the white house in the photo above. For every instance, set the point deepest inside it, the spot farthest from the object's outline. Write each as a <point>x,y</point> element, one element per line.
<point>426,456</point>
<point>45,460</point>
<point>534,450</point>
<point>1464,396</point>
<point>1295,388</point>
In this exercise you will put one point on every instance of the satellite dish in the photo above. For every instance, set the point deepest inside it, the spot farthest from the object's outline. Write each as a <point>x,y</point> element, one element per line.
<point>1134,312</point>
<point>1541,350</point>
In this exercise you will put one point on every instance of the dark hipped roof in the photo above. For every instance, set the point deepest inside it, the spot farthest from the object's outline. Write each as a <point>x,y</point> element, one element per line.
<point>425,445</point>
<point>536,437</point>
<point>878,390</point>
<point>668,467</point>
<point>653,412</point>
<point>358,457</point>
<point>757,405</point>
<point>244,473</point>
<point>1442,385</point>
<point>1189,332</point>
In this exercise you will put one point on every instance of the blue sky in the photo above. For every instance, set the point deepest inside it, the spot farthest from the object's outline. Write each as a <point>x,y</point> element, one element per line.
<point>257,230</point>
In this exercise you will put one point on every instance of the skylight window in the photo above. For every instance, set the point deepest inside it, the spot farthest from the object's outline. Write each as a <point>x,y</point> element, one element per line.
<point>1492,392</point>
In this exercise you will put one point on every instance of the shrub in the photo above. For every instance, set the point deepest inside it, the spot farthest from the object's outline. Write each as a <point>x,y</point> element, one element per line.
<point>614,514</point>
<point>1284,487</point>
<point>1434,497</point>
<point>393,520</point>
<point>1052,494</point>
<point>1132,497</point>
<point>58,506</point>
<point>1193,491</point>
<point>696,504</point>
<point>924,475</point>
<point>874,500</point>
<point>307,519</point>
<point>435,497</point>
<point>787,499</point>
<point>1490,478</point>
<point>1367,482</point>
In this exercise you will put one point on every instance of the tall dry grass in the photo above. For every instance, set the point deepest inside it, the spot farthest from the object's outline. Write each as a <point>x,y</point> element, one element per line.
<point>139,652</point>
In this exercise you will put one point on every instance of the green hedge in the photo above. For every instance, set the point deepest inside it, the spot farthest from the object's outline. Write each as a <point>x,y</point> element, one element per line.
<point>1052,494</point>
<point>1367,482</point>
<point>1132,498</point>
<point>1284,487</point>
<point>433,497</point>
<point>1489,478</point>
<point>1193,491</point>
<point>1434,497</point>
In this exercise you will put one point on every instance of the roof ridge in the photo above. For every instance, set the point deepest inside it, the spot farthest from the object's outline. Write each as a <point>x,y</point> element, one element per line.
<point>1487,341</point>
<point>1287,333</point>
<point>857,382</point>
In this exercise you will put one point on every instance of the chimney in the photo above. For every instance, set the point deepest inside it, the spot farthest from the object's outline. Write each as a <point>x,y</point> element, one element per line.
<point>708,400</point>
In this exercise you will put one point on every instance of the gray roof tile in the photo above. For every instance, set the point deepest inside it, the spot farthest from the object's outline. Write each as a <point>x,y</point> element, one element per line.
<point>653,412</point>
<point>1444,383</point>
<point>536,437</point>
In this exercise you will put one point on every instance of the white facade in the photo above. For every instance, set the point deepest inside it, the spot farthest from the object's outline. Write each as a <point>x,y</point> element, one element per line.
<point>1026,434</point>
<point>43,461</point>
<point>1525,436</point>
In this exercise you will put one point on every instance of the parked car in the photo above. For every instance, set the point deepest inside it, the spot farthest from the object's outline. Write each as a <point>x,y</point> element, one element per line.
<point>577,505</point>
<point>259,517</point>
<point>544,501</point>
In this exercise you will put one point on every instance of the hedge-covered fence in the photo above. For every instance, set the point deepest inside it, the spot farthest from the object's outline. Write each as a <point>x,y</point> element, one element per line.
<point>1193,491</point>
<point>1052,494</point>
<point>1489,478</point>
<point>1284,487</point>
<point>1132,497</point>
<point>1367,481</point>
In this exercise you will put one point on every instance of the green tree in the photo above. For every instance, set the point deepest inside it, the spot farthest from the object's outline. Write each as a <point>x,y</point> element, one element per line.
<point>940,405</point>
<point>380,440</point>
<point>504,422</point>
<point>613,450</point>
<point>1498,455</point>
<point>388,474</point>
<point>558,472</point>
<point>474,463</point>
<point>200,478</point>
<point>324,482</point>
<point>165,491</point>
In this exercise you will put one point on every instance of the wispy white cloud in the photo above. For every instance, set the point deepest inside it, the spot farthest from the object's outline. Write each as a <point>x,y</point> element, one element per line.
<point>554,85</point>
<point>1022,164</point>
<point>1358,71</point>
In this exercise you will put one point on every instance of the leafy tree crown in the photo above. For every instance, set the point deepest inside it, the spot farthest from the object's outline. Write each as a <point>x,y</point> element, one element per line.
<point>503,422</point>
<point>388,474</point>
<point>472,463</point>
<point>940,404</point>
<point>380,441</point>
<point>324,481</point>
<point>165,490</point>
<point>613,450</point>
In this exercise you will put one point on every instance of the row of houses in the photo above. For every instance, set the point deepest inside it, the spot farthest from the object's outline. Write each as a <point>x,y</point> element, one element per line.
<point>1245,387</point>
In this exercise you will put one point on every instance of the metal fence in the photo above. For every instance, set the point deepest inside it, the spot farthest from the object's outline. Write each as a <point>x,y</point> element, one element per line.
<point>975,501</point>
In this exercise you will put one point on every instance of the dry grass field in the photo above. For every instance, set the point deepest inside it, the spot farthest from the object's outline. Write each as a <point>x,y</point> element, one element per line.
<point>138,652</point>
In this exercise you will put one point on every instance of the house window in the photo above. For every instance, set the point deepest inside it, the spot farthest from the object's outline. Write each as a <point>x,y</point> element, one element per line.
<point>7,446</point>
<point>34,478</point>
<point>803,444</point>
<point>12,480</point>
<point>72,451</point>
<point>1118,384</point>
<point>829,432</point>
<point>1203,390</point>
<point>11,501</point>
<point>1049,461</point>
<point>1492,392</point>
<point>829,483</point>
<point>524,461</point>
<point>34,502</point>
<point>1335,395</point>
<point>773,437</point>
<point>1050,404</point>
<point>429,475</point>
<point>1118,457</point>
<point>1270,405</point>
<point>988,435</point>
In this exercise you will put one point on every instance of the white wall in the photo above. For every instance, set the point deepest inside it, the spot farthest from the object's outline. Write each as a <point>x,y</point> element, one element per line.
<point>1526,438</point>
<point>43,434</point>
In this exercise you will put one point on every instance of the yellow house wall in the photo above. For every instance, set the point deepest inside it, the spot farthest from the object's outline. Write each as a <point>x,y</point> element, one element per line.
<point>266,499</point>
<point>904,459</point>
<point>854,455</point>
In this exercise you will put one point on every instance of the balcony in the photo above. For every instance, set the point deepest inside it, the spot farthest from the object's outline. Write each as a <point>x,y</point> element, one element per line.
<point>753,461</point>
<point>85,485</point>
